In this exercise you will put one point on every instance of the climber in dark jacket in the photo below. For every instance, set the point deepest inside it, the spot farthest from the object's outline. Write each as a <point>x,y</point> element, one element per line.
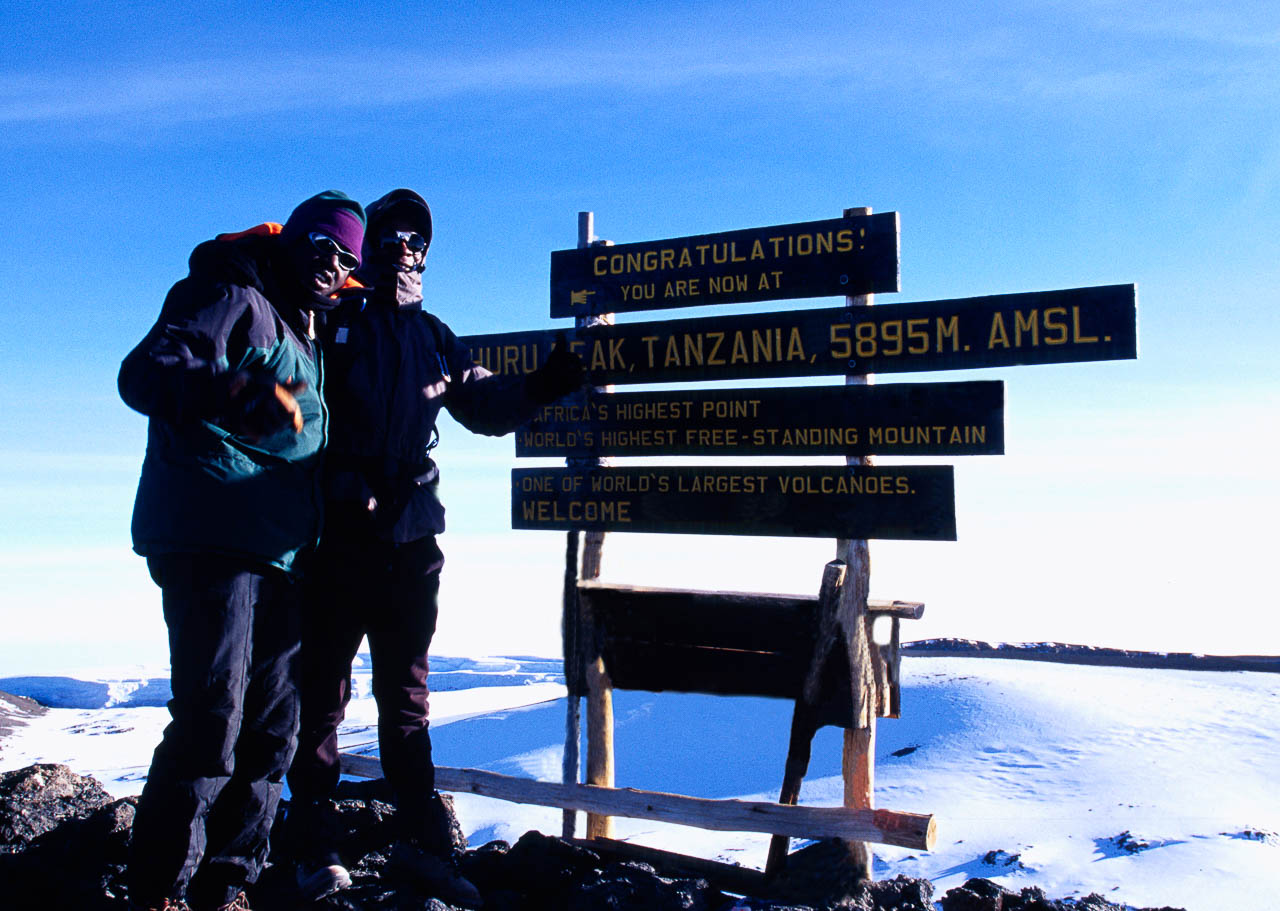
<point>391,367</point>
<point>229,498</point>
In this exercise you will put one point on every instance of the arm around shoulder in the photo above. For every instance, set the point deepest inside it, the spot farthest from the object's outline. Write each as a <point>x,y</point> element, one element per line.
<point>179,371</point>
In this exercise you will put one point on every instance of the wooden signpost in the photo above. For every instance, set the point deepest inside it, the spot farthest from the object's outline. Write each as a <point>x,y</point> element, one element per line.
<point>832,669</point>
<point>824,657</point>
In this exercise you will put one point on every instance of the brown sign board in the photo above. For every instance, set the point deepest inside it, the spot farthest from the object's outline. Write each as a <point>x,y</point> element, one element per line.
<point>1000,330</point>
<point>914,502</point>
<point>890,419</point>
<point>839,256</point>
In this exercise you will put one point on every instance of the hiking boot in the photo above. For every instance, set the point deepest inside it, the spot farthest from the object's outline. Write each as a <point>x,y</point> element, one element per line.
<point>433,875</point>
<point>321,878</point>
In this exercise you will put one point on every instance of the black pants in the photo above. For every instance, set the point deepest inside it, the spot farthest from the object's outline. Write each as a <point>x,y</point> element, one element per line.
<point>215,781</point>
<point>363,585</point>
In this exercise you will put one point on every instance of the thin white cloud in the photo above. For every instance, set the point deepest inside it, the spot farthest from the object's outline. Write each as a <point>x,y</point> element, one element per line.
<point>1246,25</point>
<point>218,88</point>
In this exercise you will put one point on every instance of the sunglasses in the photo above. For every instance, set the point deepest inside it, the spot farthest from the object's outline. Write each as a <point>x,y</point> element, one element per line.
<point>327,246</point>
<point>411,239</point>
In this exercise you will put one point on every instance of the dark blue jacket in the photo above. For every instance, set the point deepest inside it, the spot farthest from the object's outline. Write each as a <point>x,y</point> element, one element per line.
<point>392,367</point>
<point>204,489</point>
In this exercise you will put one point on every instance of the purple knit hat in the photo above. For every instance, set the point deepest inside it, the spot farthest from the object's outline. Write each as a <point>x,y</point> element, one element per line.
<point>332,213</point>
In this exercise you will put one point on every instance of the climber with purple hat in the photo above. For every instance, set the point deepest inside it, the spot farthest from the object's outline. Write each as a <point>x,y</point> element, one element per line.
<point>228,504</point>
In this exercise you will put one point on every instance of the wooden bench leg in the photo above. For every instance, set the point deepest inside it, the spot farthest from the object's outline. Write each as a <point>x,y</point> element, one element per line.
<point>599,741</point>
<point>798,752</point>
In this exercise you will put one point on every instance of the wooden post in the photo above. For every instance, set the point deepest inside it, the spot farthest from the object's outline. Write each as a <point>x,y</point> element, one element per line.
<point>571,635</point>
<point>600,768</point>
<point>859,741</point>
<point>571,621</point>
<point>895,668</point>
<point>598,690</point>
<point>593,543</point>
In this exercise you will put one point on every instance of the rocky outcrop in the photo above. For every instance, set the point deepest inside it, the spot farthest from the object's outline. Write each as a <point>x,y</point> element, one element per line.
<point>67,840</point>
<point>63,840</point>
<point>15,711</point>
<point>36,799</point>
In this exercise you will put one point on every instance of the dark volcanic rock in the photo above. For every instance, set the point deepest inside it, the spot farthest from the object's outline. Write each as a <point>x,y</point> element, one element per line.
<point>356,799</point>
<point>488,864</point>
<point>1127,843</point>
<point>975,895</point>
<point>818,876</point>
<point>984,895</point>
<point>36,799</point>
<point>1001,858</point>
<point>635,885</point>
<point>79,860</point>
<point>544,868</point>
<point>902,893</point>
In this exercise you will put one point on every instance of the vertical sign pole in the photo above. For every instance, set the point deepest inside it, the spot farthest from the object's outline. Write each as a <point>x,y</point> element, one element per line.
<point>859,742</point>
<point>599,689</point>
<point>571,630</point>
<point>575,650</point>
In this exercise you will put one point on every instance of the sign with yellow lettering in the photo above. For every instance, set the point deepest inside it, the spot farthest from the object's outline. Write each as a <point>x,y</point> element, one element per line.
<point>914,502</point>
<point>891,419</point>
<point>839,256</point>
<point>999,330</point>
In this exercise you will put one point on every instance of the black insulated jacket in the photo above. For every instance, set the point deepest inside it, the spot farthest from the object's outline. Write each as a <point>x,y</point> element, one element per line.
<point>391,367</point>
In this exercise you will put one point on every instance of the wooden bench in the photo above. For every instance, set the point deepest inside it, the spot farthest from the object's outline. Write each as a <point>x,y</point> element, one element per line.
<point>722,643</point>
<point>791,647</point>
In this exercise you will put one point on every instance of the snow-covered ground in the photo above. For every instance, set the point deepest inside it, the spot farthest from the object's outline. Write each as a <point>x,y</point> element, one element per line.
<point>1150,787</point>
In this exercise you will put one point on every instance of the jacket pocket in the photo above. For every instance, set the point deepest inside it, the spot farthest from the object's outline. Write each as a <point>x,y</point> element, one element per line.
<point>422,513</point>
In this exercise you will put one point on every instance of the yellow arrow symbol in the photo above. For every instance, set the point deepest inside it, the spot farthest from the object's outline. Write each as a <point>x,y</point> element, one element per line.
<point>578,298</point>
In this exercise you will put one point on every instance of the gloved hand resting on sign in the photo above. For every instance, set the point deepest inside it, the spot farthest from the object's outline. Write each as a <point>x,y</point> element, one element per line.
<point>561,373</point>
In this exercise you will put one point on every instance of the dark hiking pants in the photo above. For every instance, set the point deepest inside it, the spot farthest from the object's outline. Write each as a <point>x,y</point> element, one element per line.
<point>362,586</point>
<point>215,781</point>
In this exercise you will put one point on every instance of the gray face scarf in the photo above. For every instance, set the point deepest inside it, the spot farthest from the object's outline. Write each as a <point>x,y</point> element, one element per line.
<point>386,279</point>
<point>408,288</point>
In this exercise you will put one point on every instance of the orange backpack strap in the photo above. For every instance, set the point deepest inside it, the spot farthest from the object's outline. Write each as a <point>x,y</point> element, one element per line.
<point>267,227</point>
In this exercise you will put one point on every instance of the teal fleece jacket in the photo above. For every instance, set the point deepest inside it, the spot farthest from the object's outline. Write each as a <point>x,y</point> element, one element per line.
<point>204,489</point>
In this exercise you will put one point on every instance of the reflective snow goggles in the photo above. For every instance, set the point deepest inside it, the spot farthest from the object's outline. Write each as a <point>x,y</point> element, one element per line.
<point>411,239</point>
<point>327,246</point>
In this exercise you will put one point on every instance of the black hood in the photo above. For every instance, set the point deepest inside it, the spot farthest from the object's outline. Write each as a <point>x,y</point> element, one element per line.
<point>402,202</point>
<point>247,261</point>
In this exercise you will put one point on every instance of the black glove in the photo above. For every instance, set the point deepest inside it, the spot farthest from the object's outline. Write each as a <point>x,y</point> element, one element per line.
<point>261,406</point>
<point>557,376</point>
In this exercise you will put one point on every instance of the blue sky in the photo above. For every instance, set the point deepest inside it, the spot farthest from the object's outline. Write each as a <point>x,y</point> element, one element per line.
<point>1026,145</point>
